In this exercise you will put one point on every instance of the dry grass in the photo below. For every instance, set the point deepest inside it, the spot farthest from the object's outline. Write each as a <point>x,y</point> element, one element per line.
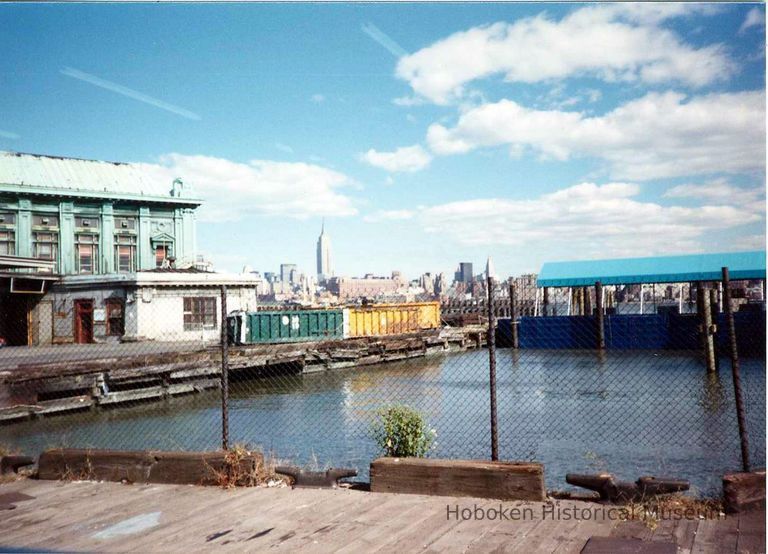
<point>237,470</point>
<point>674,506</point>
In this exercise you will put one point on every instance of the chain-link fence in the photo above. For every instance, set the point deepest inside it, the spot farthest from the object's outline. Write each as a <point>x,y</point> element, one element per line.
<point>633,380</point>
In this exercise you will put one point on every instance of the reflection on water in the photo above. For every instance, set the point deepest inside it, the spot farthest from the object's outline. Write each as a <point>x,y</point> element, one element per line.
<point>632,413</point>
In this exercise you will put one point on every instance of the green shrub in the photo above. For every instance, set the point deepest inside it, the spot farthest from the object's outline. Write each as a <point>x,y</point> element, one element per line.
<point>401,432</point>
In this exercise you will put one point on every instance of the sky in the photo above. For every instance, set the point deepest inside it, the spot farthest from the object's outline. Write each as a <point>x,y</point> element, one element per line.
<point>423,134</point>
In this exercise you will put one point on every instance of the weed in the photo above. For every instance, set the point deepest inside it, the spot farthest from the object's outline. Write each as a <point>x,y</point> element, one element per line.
<point>402,431</point>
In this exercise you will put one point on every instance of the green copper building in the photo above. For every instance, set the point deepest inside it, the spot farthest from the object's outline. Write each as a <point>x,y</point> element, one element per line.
<point>94,251</point>
<point>93,217</point>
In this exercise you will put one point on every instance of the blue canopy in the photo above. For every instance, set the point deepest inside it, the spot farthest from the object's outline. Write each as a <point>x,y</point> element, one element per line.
<point>657,269</point>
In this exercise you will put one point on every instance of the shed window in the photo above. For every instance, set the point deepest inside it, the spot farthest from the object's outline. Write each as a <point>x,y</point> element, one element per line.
<point>7,242</point>
<point>44,245</point>
<point>87,253</point>
<point>199,313</point>
<point>115,320</point>
<point>163,250</point>
<point>125,253</point>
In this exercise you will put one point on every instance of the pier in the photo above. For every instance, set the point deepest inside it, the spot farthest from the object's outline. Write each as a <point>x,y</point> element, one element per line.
<point>89,516</point>
<point>82,377</point>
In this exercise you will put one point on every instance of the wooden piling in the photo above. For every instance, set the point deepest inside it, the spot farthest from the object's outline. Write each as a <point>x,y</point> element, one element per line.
<point>587,301</point>
<point>705,327</point>
<point>513,314</point>
<point>714,310</point>
<point>599,320</point>
<point>545,305</point>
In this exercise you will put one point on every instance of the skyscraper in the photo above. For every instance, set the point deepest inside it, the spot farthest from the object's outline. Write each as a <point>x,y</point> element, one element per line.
<point>324,269</point>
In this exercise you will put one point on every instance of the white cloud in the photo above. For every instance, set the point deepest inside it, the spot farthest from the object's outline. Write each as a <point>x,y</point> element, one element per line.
<point>317,98</point>
<point>389,215</point>
<point>585,219</point>
<point>755,18</point>
<point>8,135</point>
<point>406,158</point>
<point>658,135</point>
<point>614,42</point>
<point>233,190</point>
<point>750,198</point>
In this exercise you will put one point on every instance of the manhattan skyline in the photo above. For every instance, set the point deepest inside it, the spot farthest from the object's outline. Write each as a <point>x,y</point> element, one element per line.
<point>557,131</point>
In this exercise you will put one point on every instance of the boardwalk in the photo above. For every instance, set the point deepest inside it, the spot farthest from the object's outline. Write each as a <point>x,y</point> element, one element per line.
<point>111,517</point>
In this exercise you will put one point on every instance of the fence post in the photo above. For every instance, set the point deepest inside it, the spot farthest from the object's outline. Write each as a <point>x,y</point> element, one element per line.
<point>224,372</point>
<point>513,313</point>
<point>736,371</point>
<point>599,320</point>
<point>492,364</point>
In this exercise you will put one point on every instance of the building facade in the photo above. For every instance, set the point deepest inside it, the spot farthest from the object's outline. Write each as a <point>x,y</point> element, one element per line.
<point>104,233</point>
<point>324,269</point>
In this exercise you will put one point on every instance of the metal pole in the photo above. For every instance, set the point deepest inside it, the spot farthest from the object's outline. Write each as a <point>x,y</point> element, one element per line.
<point>736,371</point>
<point>224,372</point>
<point>492,365</point>
<point>513,314</point>
<point>599,316</point>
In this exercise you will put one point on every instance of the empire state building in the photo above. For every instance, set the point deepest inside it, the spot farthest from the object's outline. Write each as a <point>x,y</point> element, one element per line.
<point>324,269</point>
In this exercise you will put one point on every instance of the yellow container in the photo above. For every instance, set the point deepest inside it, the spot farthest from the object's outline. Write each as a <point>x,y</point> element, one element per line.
<point>392,319</point>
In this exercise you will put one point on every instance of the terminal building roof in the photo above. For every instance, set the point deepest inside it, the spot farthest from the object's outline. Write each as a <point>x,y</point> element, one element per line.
<point>36,174</point>
<point>657,269</point>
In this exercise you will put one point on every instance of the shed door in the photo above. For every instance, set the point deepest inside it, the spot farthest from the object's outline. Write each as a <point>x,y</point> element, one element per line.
<point>83,321</point>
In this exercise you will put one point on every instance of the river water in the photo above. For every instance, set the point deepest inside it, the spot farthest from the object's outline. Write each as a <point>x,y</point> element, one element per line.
<point>630,413</point>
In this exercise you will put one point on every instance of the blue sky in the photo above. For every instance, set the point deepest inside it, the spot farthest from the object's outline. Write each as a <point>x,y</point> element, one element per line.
<point>424,134</point>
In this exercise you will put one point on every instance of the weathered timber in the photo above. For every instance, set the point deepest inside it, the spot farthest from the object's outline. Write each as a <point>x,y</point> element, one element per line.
<point>181,468</point>
<point>599,319</point>
<point>706,329</point>
<point>154,376</point>
<point>744,492</point>
<point>623,545</point>
<point>476,478</point>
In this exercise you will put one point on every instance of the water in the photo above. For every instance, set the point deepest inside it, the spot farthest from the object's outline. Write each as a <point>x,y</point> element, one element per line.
<point>631,413</point>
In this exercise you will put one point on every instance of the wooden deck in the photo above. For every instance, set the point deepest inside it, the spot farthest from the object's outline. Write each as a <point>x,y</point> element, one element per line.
<point>87,516</point>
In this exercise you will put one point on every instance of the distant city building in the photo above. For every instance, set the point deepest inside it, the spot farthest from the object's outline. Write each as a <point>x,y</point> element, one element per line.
<point>489,269</point>
<point>324,268</point>
<point>464,273</point>
<point>348,288</point>
<point>285,272</point>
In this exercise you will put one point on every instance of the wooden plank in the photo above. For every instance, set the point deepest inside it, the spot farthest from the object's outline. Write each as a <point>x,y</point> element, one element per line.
<point>744,491</point>
<point>622,545</point>
<point>751,537</point>
<point>475,478</point>
<point>194,468</point>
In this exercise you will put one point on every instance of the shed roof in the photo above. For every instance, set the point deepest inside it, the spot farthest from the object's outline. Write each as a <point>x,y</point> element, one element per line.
<point>59,176</point>
<point>657,269</point>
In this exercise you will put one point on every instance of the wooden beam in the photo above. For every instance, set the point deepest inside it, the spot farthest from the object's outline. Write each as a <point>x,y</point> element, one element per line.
<point>474,478</point>
<point>744,492</point>
<point>183,468</point>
